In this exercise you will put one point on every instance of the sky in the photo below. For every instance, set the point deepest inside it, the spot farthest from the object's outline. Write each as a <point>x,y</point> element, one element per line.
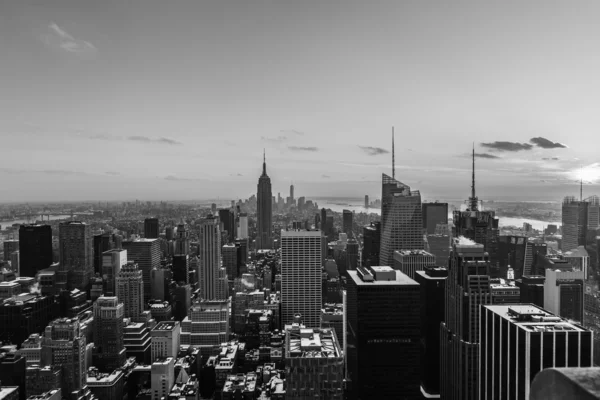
<point>169,100</point>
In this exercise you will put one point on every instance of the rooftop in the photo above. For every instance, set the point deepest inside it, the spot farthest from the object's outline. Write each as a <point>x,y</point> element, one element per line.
<point>6,391</point>
<point>95,377</point>
<point>417,252</point>
<point>311,343</point>
<point>532,318</point>
<point>380,277</point>
<point>165,326</point>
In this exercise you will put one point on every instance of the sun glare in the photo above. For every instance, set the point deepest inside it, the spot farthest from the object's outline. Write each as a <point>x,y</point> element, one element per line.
<point>590,173</point>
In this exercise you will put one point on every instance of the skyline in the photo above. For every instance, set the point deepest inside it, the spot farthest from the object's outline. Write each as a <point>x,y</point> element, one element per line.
<point>176,102</point>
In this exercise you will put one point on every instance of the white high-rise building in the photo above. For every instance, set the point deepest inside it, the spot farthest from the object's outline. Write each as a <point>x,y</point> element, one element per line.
<point>210,259</point>
<point>301,277</point>
<point>112,261</point>
<point>130,289</point>
<point>243,228</point>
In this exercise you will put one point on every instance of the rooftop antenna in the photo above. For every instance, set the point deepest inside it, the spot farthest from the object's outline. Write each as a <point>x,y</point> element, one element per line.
<point>264,162</point>
<point>473,201</point>
<point>581,184</point>
<point>393,156</point>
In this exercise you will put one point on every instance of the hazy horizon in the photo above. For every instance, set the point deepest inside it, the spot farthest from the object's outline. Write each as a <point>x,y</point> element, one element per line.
<point>177,100</point>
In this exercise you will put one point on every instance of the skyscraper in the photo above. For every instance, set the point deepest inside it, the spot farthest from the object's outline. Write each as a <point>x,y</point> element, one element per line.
<point>130,289</point>
<point>432,284</point>
<point>518,341</point>
<point>181,267</point>
<point>411,261</point>
<point>108,333</point>
<point>243,229</point>
<point>434,214</point>
<point>210,259</point>
<point>371,244</point>
<point>574,223</point>
<point>227,223</point>
<point>479,226</point>
<point>563,293</point>
<point>112,261</point>
<point>146,254</point>
<point>151,228</point>
<point>35,242</point>
<point>314,364</point>
<point>347,222</point>
<point>76,251</point>
<point>63,345</point>
<point>301,279</point>
<point>467,287</point>
<point>383,322</point>
<point>206,326</point>
<point>9,247</point>
<point>101,244</point>
<point>264,214</point>
<point>593,212</point>
<point>182,240</point>
<point>401,220</point>
<point>292,194</point>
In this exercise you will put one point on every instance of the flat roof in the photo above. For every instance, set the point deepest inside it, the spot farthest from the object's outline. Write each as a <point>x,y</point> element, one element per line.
<point>299,233</point>
<point>536,319</point>
<point>165,326</point>
<point>401,279</point>
<point>417,252</point>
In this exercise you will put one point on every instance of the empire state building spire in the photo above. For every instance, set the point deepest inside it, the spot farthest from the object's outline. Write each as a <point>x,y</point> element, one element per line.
<point>473,200</point>
<point>264,215</point>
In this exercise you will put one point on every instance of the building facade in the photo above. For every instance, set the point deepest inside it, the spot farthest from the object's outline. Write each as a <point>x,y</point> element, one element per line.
<point>434,214</point>
<point>518,341</point>
<point>146,254</point>
<point>76,255</point>
<point>210,260</point>
<point>301,280</point>
<point>130,290</point>
<point>383,334</point>
<point>574,223</point>
<point>109,350</point>
<point>35,243</point>
<point>411,261</point>
<point>401,219</point>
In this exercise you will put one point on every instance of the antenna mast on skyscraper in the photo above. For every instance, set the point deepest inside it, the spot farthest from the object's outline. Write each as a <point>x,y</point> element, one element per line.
<point>473,201</point>
<point>581,185</point>
<point>393,156</point>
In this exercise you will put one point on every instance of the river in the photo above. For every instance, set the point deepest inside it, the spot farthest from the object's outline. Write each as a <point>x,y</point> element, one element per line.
<point>339,206</point>
<point>6,224</point>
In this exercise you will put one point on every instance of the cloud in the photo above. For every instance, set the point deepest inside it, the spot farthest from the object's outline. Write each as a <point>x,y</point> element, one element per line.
<point>325,176</point>
<point>507,146</point>
<point>57,37</point>
<point>240,175</point>
<point>167,141</point>
<point>373,151</point>
<point>140,139</point>
<point>114,173</point>
<point>146,139</point>
<point>174,178</point>
<point>551,158</point>
<point>278,139</point>
<point>301,148</point>
<point>295,132</point>
<point>62,172</point>
<point>547,144</point>
<point>484,155</point>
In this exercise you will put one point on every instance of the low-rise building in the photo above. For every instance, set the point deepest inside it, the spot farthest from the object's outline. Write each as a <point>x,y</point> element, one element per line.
<point>106,386</point>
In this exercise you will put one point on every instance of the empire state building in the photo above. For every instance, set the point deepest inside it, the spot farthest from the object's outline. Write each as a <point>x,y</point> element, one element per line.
<point>264,214</point>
